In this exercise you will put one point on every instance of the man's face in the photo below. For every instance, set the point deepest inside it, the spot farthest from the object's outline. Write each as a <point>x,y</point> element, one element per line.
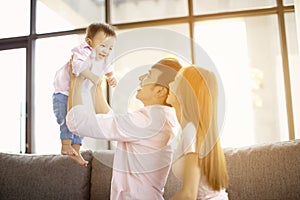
<point>147,84</point>
<point>150,78</point>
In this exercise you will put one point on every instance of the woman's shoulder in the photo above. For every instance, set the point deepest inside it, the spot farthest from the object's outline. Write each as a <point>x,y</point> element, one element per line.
<point>189,129</point>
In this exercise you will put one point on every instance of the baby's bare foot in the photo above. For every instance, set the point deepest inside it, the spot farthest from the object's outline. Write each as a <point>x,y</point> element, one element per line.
<point>79,159</point>
<point>67,149</point>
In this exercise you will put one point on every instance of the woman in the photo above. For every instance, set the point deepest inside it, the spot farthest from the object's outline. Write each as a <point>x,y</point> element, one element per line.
<point>199,160</point>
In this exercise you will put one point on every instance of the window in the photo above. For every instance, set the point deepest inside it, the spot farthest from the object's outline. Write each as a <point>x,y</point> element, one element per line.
<point>242,38</point>
<point>46,64</point>
<point>15,18</point>
<point>63,15</point>
<point>294,63</point>
<point>132,11</point>
<point>288,2</point>
<point>13,105</point>
<point>215,6</point>
<point>46,129</point>
<point>248,59</point>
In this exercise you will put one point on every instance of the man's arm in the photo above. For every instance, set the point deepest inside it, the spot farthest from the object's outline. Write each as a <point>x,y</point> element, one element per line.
<point>126,127</point>
<point>101,105</point>
<point>84,122</point>
<point>119,127</point>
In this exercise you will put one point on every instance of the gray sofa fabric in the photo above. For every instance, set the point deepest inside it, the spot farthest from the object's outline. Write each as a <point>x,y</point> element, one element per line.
<point>101,174</point>
<point>265,171</point>
<point>43,177</point>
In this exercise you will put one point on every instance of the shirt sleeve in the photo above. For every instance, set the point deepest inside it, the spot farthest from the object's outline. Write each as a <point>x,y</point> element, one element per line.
<point>81,59</point>
<point>187,141</point>
<point>126,127</point>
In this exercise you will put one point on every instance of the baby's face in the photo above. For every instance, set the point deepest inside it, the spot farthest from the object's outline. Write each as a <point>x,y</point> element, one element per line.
<point>104,48</point>
<point>102,44</point>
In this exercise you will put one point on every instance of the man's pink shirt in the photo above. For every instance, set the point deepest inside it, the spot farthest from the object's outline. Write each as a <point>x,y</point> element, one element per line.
<point>146,141</point>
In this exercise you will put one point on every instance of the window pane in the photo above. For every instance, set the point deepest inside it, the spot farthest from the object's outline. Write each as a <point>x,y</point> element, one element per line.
<point>288,2</point>
<point>248,58</point>
<point>153,44</point>
<point>14,18</point>
<point>47,131</point>
<point>294,63</point>
<point>129,11</point>
<point>216,6</point>
<point>67,14</point>
<point>12,86</point>
<point>135,51</point>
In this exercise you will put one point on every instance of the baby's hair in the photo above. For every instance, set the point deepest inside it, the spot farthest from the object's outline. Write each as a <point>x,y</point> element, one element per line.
<point>94,28</point>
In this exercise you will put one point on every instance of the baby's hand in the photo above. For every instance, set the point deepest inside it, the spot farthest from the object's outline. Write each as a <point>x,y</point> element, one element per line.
<point>112,81</point>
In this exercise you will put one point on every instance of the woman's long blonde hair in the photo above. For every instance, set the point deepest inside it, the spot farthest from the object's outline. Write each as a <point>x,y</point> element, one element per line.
<point>197,93</point>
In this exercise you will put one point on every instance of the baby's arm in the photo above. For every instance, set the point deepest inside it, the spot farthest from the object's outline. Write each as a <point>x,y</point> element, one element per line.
<point>82,64</point>
<point>111,79</point>
<point>91,76</point>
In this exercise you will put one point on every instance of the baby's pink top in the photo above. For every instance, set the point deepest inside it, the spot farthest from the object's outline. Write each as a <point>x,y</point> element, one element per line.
<point>83,55</point>
<point>146,141</point>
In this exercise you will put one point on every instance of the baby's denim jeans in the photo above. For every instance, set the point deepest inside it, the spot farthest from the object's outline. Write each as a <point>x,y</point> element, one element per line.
<point>60,107</point>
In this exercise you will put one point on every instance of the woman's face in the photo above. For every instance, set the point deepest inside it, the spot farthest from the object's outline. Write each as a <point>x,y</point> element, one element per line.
<point>172,99</point>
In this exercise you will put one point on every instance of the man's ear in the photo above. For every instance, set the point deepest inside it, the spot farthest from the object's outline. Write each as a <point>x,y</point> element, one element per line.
<point>161,91</point>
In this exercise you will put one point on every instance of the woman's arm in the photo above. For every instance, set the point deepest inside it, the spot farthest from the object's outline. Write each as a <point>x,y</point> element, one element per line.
<point>191,178</point>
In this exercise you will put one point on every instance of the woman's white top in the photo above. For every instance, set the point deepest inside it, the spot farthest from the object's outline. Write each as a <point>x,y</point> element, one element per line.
<point>187,144</point>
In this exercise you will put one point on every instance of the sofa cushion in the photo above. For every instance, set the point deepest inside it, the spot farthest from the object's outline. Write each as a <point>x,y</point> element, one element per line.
<point>101,174</point>
<point>265,171</point>
<point>43,177</point>
<point>172,186</point>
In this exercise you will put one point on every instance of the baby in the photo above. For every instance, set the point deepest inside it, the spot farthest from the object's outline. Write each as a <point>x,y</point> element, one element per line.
<point>89,60</point>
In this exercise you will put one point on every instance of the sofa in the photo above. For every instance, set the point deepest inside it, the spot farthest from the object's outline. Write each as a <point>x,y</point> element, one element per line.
<point>264,171</point>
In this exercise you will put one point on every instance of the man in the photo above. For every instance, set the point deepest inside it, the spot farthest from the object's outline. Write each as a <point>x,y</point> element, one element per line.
<point>145,137</point>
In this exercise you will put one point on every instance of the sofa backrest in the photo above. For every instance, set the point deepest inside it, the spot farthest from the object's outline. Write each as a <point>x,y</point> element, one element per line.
<point>101,174</point>
<point>265,171</point>
<point>37,177</point>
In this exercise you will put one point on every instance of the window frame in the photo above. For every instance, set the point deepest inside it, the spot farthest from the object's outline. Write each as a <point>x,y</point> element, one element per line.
<point>28,42</point>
